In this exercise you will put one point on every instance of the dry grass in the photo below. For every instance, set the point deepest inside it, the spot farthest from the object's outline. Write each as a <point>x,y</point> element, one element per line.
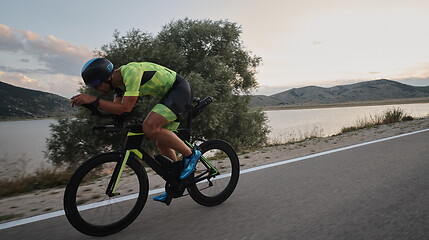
<point>387,117</point>
<point>297,137</point>
<point>41,179</point>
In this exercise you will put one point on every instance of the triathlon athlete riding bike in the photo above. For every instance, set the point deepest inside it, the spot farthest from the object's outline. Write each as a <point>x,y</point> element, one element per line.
<point>138,79</point>
<point>107,192</point>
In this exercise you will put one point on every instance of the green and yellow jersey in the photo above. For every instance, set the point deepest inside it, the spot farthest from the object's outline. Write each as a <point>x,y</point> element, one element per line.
<point>145,78</point>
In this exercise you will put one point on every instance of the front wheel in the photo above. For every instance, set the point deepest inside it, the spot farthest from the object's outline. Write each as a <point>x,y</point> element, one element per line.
<point>220,168</point>
<point>87,206</point>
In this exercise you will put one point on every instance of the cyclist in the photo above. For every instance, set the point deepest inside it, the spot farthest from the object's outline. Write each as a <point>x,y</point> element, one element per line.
<point>143,78</point>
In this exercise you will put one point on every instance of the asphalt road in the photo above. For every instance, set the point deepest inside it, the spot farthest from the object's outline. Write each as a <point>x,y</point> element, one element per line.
<point>377,191</point>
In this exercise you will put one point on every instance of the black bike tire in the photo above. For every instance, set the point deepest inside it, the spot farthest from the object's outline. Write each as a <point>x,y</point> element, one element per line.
<point>70,206</point>
<point>209,201</point>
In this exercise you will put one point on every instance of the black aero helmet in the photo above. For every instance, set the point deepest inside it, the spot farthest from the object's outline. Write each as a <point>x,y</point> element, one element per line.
<point>96,71</point>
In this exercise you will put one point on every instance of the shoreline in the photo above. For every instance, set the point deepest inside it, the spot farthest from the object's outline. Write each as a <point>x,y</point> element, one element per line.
<point>347,104</point>
<point>31,119</point>
<point>275,108</point>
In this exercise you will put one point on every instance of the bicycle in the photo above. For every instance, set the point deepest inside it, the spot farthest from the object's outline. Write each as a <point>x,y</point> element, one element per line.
<point>107,192</point>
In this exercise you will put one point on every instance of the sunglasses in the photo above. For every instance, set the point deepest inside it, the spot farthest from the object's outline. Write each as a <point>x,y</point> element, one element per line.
<point>94,83</point>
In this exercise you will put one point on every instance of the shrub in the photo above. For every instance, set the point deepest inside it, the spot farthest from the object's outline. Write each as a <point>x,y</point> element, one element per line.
<point>389,116</point>
<point>393,115</point>
<point>42,179</point>
<point>210,55</point>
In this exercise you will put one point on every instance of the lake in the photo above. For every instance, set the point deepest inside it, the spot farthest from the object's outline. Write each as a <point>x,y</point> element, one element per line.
<point>22,142</point>
<point>296,124</point>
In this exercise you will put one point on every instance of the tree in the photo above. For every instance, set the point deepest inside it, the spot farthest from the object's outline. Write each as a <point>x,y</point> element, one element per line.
<point>211,56</point>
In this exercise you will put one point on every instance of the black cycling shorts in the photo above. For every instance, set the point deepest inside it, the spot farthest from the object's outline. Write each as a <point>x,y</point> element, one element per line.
<point>178,99</point>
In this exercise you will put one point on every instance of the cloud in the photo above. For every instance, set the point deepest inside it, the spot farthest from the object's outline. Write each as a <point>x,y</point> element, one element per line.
<point>57,55</point>
<point>64,85</point>
<point>26,70</point>
<point>20,80</point>
<point>9,40</point>
<point>61,84</point>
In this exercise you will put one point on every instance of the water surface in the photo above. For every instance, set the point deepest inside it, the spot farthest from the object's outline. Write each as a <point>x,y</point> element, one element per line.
<point>295,124</point>
<point>22,142</point>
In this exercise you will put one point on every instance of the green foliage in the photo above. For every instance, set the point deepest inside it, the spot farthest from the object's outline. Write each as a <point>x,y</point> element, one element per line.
<point>210,55</point>
<point>72,140</point>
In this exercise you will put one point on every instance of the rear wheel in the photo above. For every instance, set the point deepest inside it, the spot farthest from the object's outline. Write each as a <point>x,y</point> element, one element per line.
<point>218,155</point>
<point>87,206</point>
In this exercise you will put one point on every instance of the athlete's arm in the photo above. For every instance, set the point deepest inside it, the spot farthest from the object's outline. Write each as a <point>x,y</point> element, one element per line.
<point>125,105</point>
<point>117,107</point>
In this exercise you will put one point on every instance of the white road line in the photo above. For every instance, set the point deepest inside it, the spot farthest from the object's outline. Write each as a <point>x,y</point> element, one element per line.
<point>159,190</point>
<point>61,212</point>
<point>328,152</point>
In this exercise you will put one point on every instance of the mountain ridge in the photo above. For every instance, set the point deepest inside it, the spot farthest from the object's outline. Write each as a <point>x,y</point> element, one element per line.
<point>22,103</point>
<point>375,90</point>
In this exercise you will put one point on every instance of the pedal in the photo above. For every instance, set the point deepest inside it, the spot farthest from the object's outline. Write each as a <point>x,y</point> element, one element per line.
<point>174,191</point>
<point>168,201</point>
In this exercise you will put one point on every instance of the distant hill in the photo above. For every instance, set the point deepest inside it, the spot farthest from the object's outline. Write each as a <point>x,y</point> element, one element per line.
<point>377,90</point>
<point>21,103</point>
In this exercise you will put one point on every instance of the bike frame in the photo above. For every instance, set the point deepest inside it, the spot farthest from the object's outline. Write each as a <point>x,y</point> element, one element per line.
<point>133,147</point>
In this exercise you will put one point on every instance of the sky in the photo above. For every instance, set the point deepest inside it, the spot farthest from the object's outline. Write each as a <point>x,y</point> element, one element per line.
<point>44,43</point>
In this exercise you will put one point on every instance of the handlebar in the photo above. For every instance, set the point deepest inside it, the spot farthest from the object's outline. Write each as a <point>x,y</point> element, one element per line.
<point>109,128</point>
<point>118,125</point>
<point>95,111</point>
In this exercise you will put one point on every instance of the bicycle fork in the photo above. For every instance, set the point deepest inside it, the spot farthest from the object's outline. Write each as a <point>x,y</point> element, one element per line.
<point>132,144</point>
<point>117,173</point>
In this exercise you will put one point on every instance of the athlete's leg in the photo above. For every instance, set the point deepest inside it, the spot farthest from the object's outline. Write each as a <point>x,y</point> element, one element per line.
<point>152,127</point>
<point>166,151</point>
